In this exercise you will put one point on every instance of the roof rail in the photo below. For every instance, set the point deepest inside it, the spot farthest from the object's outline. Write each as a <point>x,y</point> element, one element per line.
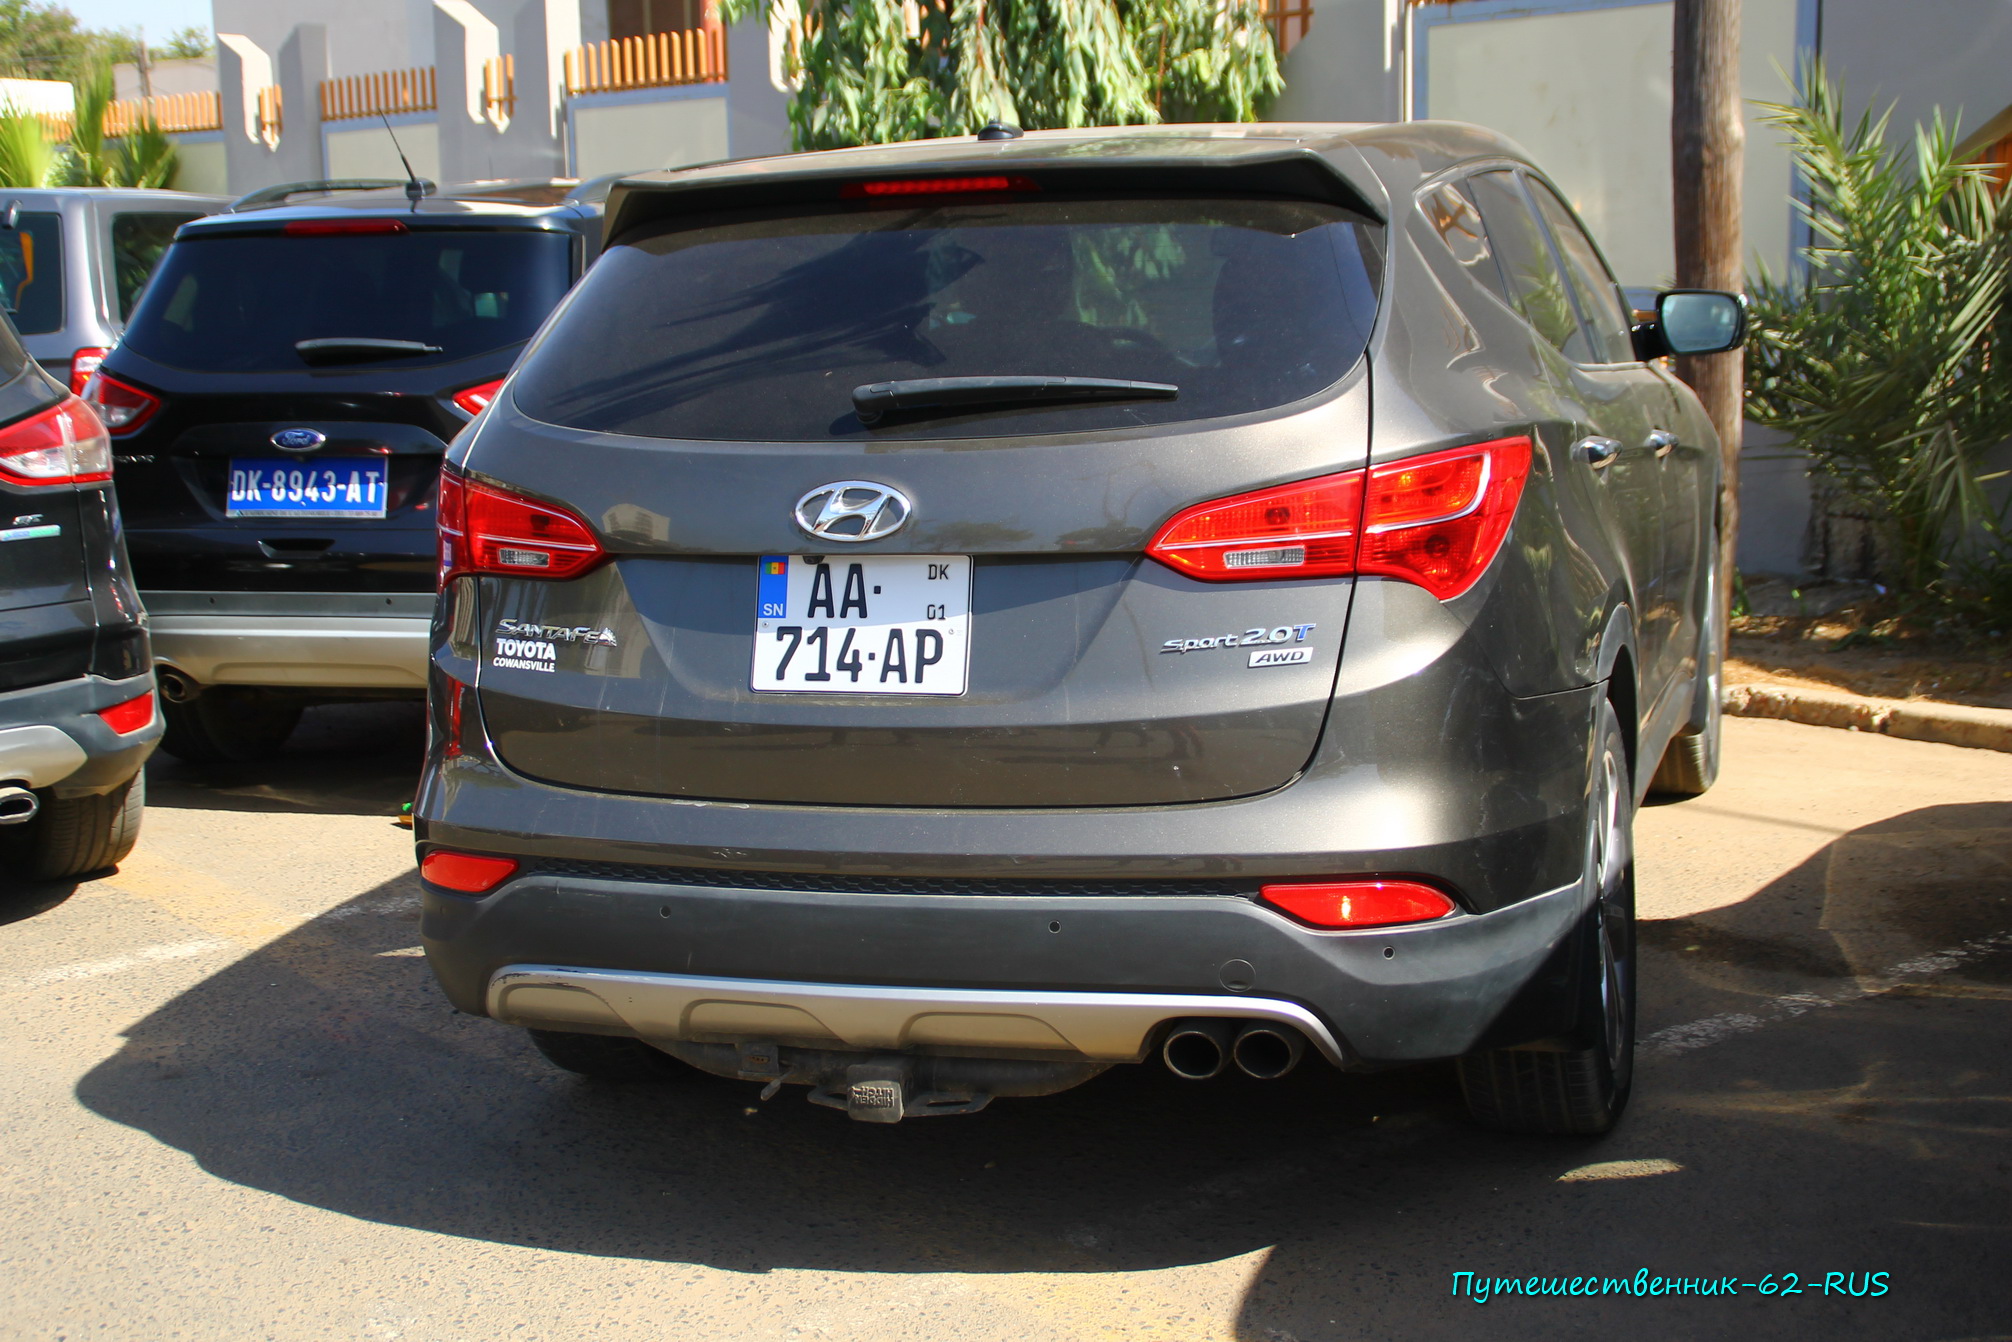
<point>279,195</point>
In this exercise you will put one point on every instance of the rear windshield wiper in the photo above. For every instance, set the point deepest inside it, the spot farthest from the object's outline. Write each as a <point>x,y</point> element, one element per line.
<point>360,349</point>
<point>930,393</point>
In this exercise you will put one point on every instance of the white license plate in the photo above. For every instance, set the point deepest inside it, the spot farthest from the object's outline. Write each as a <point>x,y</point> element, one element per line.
<point>878,624</point>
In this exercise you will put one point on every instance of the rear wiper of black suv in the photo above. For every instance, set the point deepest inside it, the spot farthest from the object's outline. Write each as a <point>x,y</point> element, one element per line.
<point>359,349</point>
<point>948,393</point>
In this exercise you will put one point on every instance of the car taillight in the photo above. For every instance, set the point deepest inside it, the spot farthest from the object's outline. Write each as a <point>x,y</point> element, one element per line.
<point>936,186</point>
<point>488,530</point>
<point>84,363</point>
<point>1438,520</point>
<point>63,445</point>
<point>476,399</point>
<point>323,228</point>
<point>470,873</point>
<point>1435,520</point>
<point>1302,530</point>
<point>1367,903</point>
<point>129,717</point>
<point>123,408</point>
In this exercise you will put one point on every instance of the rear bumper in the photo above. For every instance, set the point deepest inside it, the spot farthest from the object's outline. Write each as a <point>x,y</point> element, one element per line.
<point>1087,977</point>
<point>1099,1026</point>
<point>52,737</point>
<point>300,640</point>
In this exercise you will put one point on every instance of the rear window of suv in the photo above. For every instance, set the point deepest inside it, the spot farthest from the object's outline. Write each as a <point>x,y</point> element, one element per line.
<point>757,326</point>
<point>239,302</point>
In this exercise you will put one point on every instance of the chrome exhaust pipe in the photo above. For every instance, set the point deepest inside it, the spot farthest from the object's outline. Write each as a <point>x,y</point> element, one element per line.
<point>18,805</point>
<point>176,687</point>
<point>1266,1051</point>
<point>1197,1050</point>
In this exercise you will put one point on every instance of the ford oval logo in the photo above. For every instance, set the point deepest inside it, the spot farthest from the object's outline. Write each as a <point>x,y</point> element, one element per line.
<point>299,440</point>
<point>852,510</point>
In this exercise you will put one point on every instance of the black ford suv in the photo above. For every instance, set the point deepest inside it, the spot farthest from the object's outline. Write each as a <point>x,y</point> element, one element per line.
<point>77,717</point>
<point>278,409</point>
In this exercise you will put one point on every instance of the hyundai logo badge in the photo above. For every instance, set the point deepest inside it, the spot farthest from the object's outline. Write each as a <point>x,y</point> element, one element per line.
<point>299,440</point>
<point>852,510</point>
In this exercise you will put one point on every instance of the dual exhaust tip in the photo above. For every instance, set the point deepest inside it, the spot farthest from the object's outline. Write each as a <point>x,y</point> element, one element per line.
<point>18,805</point>
<point>1200,1050</point>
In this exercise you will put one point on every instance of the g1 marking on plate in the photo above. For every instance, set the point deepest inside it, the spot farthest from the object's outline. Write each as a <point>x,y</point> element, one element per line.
<point>1281,657</point>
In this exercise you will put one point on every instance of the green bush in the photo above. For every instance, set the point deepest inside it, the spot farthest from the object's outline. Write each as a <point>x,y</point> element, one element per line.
<point>1886,359</point>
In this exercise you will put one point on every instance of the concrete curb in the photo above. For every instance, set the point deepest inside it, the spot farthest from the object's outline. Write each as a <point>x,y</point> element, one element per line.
<point>1945,724</point>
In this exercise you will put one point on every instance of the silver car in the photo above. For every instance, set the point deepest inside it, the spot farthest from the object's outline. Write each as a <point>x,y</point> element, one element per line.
<point>73,261</point>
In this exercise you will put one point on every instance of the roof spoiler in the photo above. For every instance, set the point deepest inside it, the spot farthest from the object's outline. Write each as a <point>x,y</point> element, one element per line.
<point>285,191</point>
<point>1295,173</point>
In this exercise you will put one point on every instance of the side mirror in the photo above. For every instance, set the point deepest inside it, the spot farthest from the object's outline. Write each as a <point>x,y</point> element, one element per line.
<point>1693,321</point>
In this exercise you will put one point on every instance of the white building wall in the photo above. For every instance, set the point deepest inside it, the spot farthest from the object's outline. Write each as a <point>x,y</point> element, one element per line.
<point>636,136</point>
<point>363,149</point>
<point>1920,55</point>
<point>1591,104</point>
<point>201,166</point>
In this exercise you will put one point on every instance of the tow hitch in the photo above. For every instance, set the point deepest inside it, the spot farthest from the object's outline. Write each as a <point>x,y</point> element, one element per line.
<point>884,1087</point>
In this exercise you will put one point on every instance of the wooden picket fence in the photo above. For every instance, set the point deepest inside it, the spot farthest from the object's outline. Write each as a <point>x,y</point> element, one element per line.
<point>175,113</point>
<point>1288,21</point>
<point>385,93</point>
<point>653,60</point>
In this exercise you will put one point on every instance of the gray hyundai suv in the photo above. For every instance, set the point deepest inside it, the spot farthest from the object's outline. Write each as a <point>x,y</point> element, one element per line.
<point>931,622</point>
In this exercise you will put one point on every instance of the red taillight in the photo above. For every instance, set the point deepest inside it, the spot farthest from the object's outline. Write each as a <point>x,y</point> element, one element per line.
<point>129,717</point>
<point>1438,520</point>
<point>321,228</point>
<point>84,363</point>
<point>123,408</point>
<point>470,873</point>
<point>1301,530</point>
<point>476,399</point>
<point>936,186</point>
<point>1372,903</point>
<point>64,445</point>
<point>1435,520</point>
<point>489,530</point>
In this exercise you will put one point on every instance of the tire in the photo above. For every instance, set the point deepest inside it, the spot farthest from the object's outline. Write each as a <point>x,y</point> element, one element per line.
<point>227,725</point>
<point>1582,1088</point>
<point>606,1057</point>
<point>74,836</point>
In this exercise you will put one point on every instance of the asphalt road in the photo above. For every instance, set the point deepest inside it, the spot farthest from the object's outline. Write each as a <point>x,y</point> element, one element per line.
<point>233,1106</point>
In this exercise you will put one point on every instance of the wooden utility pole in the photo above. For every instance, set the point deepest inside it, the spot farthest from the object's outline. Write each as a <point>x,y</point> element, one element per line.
<point>1707,144</point>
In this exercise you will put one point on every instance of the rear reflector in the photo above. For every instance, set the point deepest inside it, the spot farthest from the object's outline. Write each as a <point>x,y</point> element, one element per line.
<point>129,717</point>
<point>1435,520</point>
<point>1375,903</point>
<point>84,363</point>
<point>488,530</point>
<point>470,873</point>
<point>123,408</point>
<point>936,186</point>
<point>476,399</point>
<point>321,228</point>
<point>63,445</point>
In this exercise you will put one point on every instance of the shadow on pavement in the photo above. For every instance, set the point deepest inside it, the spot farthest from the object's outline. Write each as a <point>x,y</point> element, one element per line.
<point>1869,1137</point>
<point>19,902</point>
<point>343,759</point>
